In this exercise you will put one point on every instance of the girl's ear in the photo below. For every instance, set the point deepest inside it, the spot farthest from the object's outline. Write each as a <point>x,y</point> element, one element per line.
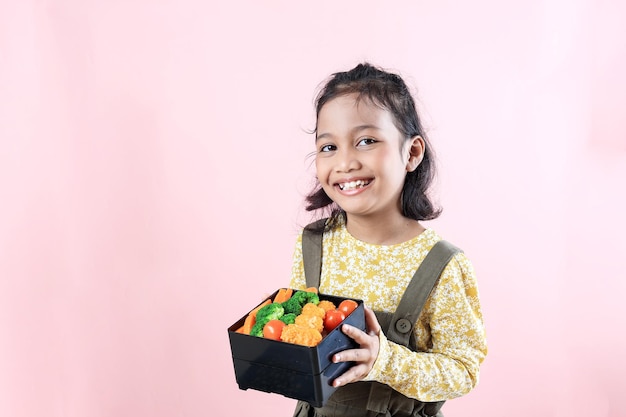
<point>417,147</point>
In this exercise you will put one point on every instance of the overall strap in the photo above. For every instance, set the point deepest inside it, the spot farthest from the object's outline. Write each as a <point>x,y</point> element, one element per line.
<point>312,236</point>
<point>416,294</point>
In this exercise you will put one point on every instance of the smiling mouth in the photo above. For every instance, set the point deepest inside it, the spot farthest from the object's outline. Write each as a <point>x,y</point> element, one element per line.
<point>353,185</point>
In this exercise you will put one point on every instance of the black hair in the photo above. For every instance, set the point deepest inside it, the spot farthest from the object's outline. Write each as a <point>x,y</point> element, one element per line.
<point>388,91</point>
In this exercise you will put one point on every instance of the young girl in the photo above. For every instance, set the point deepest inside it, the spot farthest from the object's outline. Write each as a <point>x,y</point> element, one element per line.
<point>374,167</point>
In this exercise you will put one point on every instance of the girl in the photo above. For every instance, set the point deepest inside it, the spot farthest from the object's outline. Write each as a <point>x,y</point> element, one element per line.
<point>374,167</point>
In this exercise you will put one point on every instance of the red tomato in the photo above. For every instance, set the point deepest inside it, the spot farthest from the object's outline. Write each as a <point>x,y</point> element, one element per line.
<point>273,329</point>
<point>347,306</point>
<point>332,319</point>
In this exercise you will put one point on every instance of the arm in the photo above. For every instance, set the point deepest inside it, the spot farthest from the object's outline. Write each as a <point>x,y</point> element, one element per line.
<point>447,365</point>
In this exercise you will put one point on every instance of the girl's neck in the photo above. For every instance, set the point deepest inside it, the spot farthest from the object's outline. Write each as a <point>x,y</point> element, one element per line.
<point>385,231</point>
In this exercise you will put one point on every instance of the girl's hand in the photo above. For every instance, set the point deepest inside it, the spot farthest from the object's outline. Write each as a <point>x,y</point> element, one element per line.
<point>365,356</point>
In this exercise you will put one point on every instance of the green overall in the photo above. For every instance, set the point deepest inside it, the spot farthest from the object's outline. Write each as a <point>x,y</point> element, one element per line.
<point>371,398</point>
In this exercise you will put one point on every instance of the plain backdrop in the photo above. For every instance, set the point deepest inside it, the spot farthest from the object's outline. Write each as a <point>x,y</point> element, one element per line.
<point>154,156</point>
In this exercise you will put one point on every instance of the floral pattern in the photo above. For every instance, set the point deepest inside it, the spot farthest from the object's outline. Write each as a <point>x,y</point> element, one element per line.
<point>450,333</point>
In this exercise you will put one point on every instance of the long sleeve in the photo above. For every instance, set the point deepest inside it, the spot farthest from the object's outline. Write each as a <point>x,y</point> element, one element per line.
<point>448,364</point>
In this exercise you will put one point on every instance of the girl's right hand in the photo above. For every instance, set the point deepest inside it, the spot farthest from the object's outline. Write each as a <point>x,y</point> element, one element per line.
<point>364,356</point>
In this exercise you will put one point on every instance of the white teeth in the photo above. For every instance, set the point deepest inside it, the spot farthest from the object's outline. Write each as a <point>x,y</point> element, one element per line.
<point>353,185</point>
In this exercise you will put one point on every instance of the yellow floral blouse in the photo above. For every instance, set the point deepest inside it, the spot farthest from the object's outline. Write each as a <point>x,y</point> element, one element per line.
<point>450,333</point>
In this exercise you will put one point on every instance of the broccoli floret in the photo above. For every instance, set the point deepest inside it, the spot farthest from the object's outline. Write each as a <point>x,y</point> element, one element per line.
<point>288,318</point>
<point>305,297</point>
<point>292,306</point>
<point>257,329</point>
<point>298,300</point>
<point>311,297</point>
<point>269,312</point>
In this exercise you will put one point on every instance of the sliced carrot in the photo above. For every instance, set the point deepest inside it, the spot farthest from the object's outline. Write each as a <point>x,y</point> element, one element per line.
<point>263,304</point>
<point>311,289</point>
<point>279,295</point>
<point>248,324</point>
<point>283,295</point>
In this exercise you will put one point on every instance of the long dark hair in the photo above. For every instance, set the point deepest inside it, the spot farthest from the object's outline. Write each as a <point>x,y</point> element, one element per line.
<point>389,91</point>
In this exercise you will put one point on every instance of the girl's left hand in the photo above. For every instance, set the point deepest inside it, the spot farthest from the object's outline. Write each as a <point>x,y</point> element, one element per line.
<point>365,356</point>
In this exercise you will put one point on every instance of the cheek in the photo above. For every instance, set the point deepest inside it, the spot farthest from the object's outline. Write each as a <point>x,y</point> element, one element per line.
<point>390,162</point>
<point>320,169</point>
<point>322,163</point>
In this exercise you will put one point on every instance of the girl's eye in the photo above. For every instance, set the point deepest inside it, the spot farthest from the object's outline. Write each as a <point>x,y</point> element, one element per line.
<point>366,141</point>
<point>327,148</point>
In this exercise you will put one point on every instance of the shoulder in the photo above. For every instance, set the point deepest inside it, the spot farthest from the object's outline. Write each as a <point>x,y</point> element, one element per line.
<point>317,227</point>
<point>459,276</point>
<point>459,263</point>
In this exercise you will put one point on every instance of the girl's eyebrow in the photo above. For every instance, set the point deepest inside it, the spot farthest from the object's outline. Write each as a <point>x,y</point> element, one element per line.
<point>353,131</point>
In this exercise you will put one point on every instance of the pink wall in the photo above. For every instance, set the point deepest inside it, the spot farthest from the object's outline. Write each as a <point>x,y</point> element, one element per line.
<point>153,159</point>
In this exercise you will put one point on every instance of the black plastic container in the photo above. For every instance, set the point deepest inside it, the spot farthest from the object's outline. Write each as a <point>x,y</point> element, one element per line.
<point>295,371</point>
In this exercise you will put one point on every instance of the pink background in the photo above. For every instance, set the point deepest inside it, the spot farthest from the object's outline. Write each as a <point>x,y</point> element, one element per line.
<point>153,158</point>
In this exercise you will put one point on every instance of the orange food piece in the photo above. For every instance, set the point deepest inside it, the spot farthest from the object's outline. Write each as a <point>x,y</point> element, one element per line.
<point>311,289</point>
<point>311,309</point>
<point>263,304</point>
<point>247,324</point>
<point>314,322</point>
<point>283,295</point>
<point>327,305</point>
<point>301,335</point>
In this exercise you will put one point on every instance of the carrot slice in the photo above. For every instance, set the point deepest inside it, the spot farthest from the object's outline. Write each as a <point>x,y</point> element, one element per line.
<point>248,324</point>
<point>263,304</point>
<point>280,295</point>
<point>283,295</point>
<point>311,289</point>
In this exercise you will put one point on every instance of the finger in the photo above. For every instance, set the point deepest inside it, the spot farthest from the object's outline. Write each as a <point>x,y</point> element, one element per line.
<point>371,322</point>
<point>355,373</point>
<point>355,333</point>
<point>352,355</point>
<point>358,335</point>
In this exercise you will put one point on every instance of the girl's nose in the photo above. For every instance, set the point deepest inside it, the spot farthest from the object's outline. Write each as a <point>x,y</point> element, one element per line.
<point>347,161</point>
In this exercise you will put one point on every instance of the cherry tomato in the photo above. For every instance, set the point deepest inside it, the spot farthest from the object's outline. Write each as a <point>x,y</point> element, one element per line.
<point>273,329</point>
<point>332,319</point>
<point>347,306</point>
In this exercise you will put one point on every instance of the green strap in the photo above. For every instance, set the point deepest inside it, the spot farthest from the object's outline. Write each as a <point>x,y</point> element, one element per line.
<point>418,291</point>
<point>312,236</point>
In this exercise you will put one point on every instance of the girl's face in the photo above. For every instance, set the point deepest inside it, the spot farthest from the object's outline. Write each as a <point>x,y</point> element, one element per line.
<point>362,158</point>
